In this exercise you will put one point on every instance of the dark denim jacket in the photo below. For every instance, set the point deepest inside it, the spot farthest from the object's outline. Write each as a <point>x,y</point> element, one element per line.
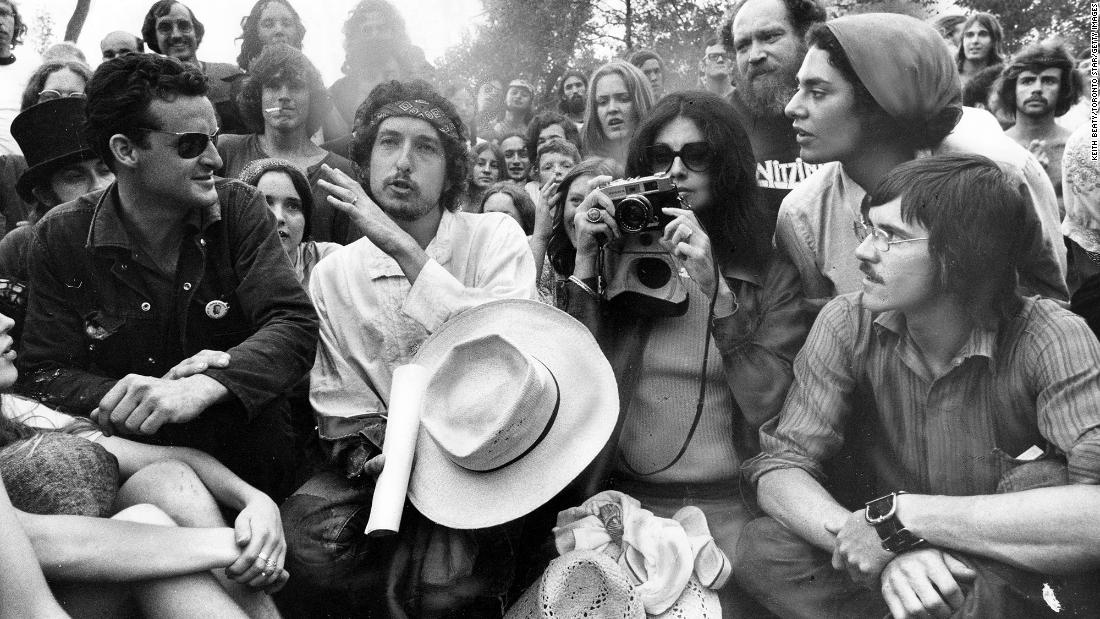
<point>92,318</point>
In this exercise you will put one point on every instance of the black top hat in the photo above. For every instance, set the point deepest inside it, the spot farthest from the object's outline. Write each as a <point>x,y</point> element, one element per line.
<point>50,135</point>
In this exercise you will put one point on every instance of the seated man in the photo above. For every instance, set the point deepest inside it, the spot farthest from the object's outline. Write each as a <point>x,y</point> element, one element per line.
<point>167,264</point>
<point>378,299</point>
<point>939,380</point>
<point>61,167</point>
<point>876,90</point>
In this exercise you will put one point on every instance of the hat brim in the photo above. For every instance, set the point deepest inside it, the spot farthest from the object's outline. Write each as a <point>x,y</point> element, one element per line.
<point>40,172</point>
<point>462,499</point>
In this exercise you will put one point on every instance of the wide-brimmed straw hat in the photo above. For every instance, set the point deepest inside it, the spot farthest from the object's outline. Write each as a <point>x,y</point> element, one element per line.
<point>49,133</point>
<point>520,401</point>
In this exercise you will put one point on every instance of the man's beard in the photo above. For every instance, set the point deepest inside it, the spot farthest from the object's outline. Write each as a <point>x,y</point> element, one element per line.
<point>574,104</point>
<point>766,95</point>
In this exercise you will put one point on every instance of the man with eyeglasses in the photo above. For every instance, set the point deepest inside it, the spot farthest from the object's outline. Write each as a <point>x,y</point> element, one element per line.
<point>164,306</point>
<point>171,28</point>
<point>939,450</point>
<point>716,68</point>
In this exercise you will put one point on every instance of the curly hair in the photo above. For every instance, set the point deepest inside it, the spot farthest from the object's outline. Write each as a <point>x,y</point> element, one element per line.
<point>951,196</point>
<point>543,120</point>
<point>277,65</point>
<point>120,93</point>
<point>251,45</point>
<point>255,170</point>
<point>738,223</point>
<point>523,203</point>
<point>1037,58</point>
<point>990,22</point>
<point>396,30</point>
<point>160,9</point>
<point>637,86</point>
<point>20,28</point>
<point>801,14</point>
<point>38,79</point>
<point>364,132</point>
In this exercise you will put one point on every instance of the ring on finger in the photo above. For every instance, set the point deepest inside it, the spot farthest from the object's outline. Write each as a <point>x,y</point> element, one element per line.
<point>272,566</point>
<point>594,215</point>
<point>263,558</point>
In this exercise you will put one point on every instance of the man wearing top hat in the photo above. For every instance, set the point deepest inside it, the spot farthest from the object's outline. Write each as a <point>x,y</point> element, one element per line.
<point>61,167</point>
<point>164,306</point>
<point>422,270</point>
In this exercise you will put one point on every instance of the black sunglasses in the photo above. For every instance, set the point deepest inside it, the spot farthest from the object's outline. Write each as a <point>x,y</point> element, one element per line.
<point>695,155</point>
<point>191,144</point>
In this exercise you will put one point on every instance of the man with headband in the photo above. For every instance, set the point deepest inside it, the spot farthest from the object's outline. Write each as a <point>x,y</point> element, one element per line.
<point>874,91</point>
<point>420,263</point>
<point>938,453</point>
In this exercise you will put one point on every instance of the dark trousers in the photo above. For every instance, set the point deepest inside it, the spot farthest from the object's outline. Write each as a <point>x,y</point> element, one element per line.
<point>792,578</point>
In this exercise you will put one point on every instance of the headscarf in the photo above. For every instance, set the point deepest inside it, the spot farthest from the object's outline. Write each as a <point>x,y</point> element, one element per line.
<point>903,63</point>
<point>1080,185</point>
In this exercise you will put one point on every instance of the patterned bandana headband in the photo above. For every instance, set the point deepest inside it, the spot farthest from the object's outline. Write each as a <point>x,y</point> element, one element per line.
<point>418,109</point>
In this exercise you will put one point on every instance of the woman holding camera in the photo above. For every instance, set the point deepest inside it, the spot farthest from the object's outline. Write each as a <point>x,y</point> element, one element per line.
<point>695,388</point>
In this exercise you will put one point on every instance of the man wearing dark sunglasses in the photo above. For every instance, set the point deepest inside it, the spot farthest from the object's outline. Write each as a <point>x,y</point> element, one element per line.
<point>164,307</point>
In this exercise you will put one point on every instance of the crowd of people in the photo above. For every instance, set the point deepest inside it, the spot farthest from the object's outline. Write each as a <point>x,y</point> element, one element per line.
<point>817,337</point>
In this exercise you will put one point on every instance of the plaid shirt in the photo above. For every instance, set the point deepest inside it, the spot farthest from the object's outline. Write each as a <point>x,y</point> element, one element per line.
<point>862,392</point>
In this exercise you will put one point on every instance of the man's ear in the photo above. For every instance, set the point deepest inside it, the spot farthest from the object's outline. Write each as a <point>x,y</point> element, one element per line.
<point>123,150</point>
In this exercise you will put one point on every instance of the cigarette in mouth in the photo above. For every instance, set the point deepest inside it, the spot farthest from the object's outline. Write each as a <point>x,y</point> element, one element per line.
<point>272,110</point>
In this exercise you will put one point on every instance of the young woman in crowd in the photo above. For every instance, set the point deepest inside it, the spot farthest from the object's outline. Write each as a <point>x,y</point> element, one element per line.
<point>574,187</point>
<point>488,168</point>
<point>62,476</point>
<point>513,201</point>
<point>269,22</point>
<point>855,114</point>
<point>619,98</point>
<point>284,101</point>
<point>981,45</point>
<point>694,388</point>
<point>290,200</point>
<point>53,80</point>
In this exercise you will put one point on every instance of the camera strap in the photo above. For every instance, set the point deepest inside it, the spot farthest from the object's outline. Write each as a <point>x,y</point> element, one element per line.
<point>702,390</point>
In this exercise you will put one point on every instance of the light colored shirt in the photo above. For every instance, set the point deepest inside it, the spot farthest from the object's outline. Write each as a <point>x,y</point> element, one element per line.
<point>814,229</point>
<point>13,79</point>
<point>860,384</point>
<point>373,320</point>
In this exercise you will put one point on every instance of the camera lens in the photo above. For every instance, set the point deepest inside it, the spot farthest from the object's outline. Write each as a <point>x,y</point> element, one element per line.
<point>633,213</point>
<point>652,272</point>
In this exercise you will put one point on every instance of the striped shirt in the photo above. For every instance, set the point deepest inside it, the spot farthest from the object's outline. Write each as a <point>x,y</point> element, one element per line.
<point>861,391</point>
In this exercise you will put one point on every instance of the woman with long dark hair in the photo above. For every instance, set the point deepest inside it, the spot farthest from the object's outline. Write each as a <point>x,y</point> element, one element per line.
<point>694,388</point>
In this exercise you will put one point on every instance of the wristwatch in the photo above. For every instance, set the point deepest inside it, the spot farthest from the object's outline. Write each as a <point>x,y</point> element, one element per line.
<point>882,513</point>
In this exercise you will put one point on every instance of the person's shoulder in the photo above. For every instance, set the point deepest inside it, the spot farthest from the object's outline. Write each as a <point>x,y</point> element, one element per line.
<point>482,224</point>
<point>80,209</point>
<point>1045,320</point>
<point>809,195</point>
<point>978,133</point>
<point>220,70</point>
<point>335,160</point>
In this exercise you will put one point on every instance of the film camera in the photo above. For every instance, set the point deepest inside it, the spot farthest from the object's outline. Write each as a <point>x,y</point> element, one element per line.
<point>642,277</point>
<point>638,202</point>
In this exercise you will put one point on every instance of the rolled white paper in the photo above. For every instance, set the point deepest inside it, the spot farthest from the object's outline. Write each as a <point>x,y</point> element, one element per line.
<point>402,427</point>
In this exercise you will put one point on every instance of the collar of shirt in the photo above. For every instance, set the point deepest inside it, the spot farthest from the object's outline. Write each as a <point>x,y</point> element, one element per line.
<point>380,264</point>
<point>108,230</point>
<point>981,342</point>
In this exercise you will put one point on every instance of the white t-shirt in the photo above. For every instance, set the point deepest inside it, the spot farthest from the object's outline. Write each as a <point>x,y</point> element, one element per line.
<point>13,79</point>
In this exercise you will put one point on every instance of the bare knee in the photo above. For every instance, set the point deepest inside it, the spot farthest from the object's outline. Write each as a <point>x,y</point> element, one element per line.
<point>145,514</point>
